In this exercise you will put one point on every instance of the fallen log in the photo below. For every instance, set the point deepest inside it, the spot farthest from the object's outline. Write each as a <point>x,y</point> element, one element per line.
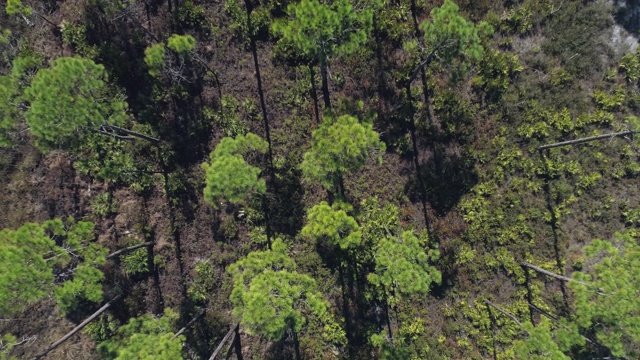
<point>78,328</point>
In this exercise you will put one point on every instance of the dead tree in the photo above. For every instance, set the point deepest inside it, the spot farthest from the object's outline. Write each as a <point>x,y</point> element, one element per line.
<point>589,139</point>
<point>234,335</point>
<point>128,249</point>
<point>549,273</point>
<point>78,328</point>
<point>189,323</point>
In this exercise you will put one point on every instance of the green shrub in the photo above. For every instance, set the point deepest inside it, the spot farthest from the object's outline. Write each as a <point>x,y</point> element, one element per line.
<point>135,262</point>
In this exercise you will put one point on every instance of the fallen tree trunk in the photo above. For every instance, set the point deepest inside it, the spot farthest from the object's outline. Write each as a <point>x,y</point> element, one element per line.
<point>126,250</point>
<point>189,323</point>
<point>224,340</point>
<point>503,312</point>
<point>78,328</point>
<point>549,273</point>
<point>588,139</point>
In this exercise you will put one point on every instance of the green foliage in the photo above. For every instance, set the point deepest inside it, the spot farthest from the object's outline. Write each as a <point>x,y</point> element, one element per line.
<point>182,44</point>
<point>11,93</point>
<point>316,30</point>
<point>340,146</point>
<point>30,257</point>
<point>271,297</point>
<point>409,343</point>
<point>7,343</point>
<point>228,176</point>
<point>496,71</point>
<point>228,118</point>
<point>539,343</point>
<point>146,338</point>
<point>608,299</point>
<point>403,267</point>
<point>135,262</point>
<point>203,283</point>
<point>154,56</point>
<point>450,36</point>
<point>104,204</point>
<point>630,66</point>
<point>68,98</point>
<point>17,7</point>
<point>333,224</point>
<point>75,35</point>
<point>102,328</point>
<point>191,16</point>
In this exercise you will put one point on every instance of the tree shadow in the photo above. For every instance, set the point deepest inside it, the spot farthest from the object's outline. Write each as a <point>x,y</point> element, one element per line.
<point>448,177</point>
<point>627,14</point>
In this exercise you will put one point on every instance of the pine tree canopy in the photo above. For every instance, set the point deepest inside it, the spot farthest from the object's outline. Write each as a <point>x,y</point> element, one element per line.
<point>30,258</point>
<point>340,146</point>
<point>271,297</point>
<point>146,338</point>
<point>317,30</point>
<point>69,97</point>
<point>448,35</point>
<point>334,224</point>
<point>181,44</point>
<point>403,266</point>
<point>228,176</point>
<point>608,298</point>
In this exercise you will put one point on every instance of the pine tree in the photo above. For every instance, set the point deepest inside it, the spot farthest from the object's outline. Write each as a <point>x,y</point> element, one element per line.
<point>181,44</point>
<point>145,338</point>
<point>340,146</point>
<point>228,176</point>
<point>403,267</point>
<point>541,342</point>
<point>333,224</point>
<point>317,31</point>
<point>607,301</point>
<point>271,298</point>
<point>68,98</point>
<point>448,36</point>
<point>30,256</point>
<point>11,94</point>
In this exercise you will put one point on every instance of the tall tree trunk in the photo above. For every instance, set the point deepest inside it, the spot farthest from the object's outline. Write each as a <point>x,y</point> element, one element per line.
<point>325,85</point>
<point>296,343</point>
<point>414,141</point>
<point>263,106</point>
<point>314,94</point>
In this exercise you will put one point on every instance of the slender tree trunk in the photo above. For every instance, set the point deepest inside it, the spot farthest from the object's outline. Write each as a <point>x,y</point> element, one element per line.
<point>314,94</point>
<point>78,328</point>
<point>325,85</point>
<point>238,345</point>
<point>191,322</point>
<point>345,311</point>
<point>503,312</point>
<point>224,340</point>
<point>129,249</point>
<point>549,273</point>
<point>589,139</point>
<point>263,107</point>
<point>416,161</point>
<point>296,344</point>
<point>379,63</point>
